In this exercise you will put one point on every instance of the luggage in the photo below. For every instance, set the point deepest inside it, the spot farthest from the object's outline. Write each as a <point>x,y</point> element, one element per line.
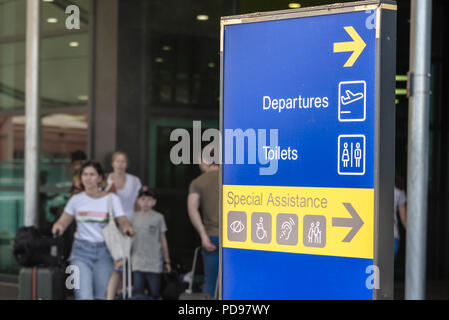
<point>127,278</point>
<point>44,283</point>
<point>172,283</point>
<point>195,296</point>
<point>189,294</point>
<point>126,270</point>
<point>69,233</point>
<point>31,248</point>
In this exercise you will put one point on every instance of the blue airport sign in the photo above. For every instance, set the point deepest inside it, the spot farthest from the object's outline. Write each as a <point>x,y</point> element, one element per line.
<point>298,208</point>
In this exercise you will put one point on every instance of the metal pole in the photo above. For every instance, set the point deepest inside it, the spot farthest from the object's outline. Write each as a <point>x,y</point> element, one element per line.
<point>418,149</point>
<point>32,114</point>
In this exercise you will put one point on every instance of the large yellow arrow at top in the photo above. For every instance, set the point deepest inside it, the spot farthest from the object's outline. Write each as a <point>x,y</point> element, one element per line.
<point>356,46</point>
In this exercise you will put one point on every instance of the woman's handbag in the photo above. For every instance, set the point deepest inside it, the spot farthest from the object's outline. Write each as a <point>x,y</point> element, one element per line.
<point>118,244</point>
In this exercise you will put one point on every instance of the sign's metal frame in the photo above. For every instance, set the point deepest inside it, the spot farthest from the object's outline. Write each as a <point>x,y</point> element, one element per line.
<point>384,173</point>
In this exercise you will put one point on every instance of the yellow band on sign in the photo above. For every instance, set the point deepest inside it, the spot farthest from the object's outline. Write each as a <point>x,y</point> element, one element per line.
<point>318,221</point>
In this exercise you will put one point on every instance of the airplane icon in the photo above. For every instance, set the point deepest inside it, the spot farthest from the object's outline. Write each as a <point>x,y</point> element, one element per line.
<point>351,97</point>
<point>352,101</point>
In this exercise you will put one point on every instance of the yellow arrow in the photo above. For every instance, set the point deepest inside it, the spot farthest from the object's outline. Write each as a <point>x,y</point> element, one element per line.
<point>356,46</point>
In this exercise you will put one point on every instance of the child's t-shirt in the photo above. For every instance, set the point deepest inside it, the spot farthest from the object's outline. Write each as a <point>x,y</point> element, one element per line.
<point>147,249</point>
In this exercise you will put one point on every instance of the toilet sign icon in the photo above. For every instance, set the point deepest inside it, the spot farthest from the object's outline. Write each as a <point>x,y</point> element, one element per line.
<point>351,154</point>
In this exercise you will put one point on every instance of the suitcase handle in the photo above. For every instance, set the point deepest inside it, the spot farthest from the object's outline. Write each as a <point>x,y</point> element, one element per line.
<point>58,239</point>
<point>195,259</point>
<point>127,275</point>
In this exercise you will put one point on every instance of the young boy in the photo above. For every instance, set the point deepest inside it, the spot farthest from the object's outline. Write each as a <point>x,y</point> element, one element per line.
<point>150,256</point>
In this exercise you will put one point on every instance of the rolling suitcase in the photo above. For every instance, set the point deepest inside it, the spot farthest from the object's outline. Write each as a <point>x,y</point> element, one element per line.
<point>127,278</point>
<point>126,269</point>
<point>189,294</point>
<point>44,283</point>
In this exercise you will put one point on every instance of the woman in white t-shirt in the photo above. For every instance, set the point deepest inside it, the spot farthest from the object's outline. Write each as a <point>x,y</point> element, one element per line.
<point>89,254</point>
<point>126,186</point>
<point>123,184</point>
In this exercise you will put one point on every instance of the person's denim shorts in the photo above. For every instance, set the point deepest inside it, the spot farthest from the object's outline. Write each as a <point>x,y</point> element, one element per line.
<point>95,266</point>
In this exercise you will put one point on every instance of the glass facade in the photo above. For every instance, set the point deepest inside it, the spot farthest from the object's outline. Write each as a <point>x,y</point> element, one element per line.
<point>63,103</point>
<point>184,69</point>
<point>185,57</point>
<point>12,94</point>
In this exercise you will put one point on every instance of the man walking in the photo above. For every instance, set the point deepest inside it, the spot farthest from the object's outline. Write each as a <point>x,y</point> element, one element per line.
<point>204,193</point>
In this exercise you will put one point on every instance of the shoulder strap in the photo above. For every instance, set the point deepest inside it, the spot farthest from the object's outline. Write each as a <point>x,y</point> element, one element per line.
<point>110,207</point>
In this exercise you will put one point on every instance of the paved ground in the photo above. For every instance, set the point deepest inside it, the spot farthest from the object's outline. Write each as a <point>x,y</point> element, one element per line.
<point>435,291</point>
<point>9,291</point>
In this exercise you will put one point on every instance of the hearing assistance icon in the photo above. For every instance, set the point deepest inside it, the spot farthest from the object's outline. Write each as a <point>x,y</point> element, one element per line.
<point>287,229</point>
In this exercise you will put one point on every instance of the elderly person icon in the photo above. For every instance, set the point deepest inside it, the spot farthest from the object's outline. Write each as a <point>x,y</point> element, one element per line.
<point>311,232</point>
<point>317,232</point>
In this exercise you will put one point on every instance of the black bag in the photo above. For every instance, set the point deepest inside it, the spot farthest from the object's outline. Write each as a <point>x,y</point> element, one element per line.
<point>43,277</point>
<point>31,248</point>
<point>172,285</point>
